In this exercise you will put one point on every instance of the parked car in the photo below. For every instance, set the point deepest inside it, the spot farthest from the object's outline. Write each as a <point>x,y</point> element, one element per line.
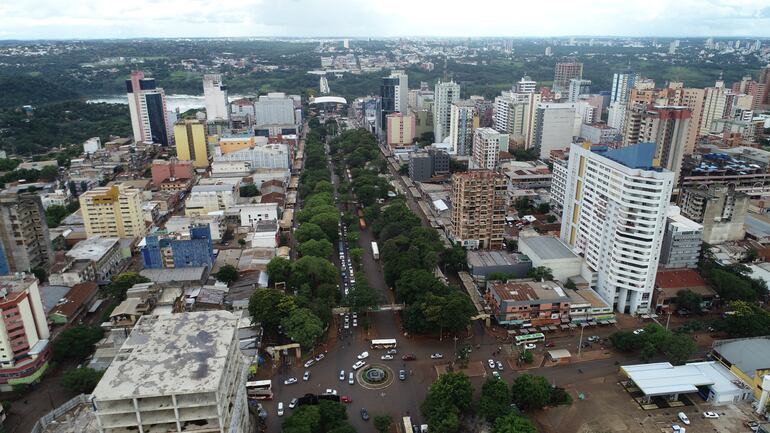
<point>402,374</point>
<point>392,351</point>
<point>491,363</point>
<point>386,357</point>
<point>358,365</point>
<point>355,322</point>
<point>280,408</point>
<point>350,379</point>
<point>594,339</point>
<point>309,363</point>
<point>306,376</point>
<point>753,425</point>
<point>290,381</point>
<point>409,357</point>
<point>496,374</point>
<point>342,374</point>
<point>682,417</point>
<point>363,355</point>
<point>436,356</point>
<point>293,403</point>
<point>530,346</point>
<point>499,365</point>
<point>364,414</point>
<point>346,399</point>
<point>710,415</point>
<point>638,331</point>
<point>676,428</point>
<point>330,391</point>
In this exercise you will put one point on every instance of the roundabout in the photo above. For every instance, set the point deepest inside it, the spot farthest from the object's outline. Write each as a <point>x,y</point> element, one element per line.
<point>375,376</point>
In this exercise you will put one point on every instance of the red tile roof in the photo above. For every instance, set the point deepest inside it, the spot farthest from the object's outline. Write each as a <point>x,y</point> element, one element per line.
<point>678,279</point>
<point>75,298</point>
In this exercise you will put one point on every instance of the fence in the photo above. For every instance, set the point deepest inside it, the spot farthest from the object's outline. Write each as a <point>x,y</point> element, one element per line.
<point>59,411</point>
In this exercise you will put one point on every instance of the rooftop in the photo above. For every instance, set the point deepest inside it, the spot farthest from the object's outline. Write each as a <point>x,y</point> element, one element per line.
<point>746,354</point>
<point>547,247</point>
<point>212,188</point>
<point>662,378</point>
<point>494,258</point>
<point>640,155</point>
<point>175,274</point>
<point>12,285</point>
<point>173,353</point>
<point>528,292</point>
<point>93,248</point>
<point>683,223</point>
<point>678,279</point>
<point>78,295</point>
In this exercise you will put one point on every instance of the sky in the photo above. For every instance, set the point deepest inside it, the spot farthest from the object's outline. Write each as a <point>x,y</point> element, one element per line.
<point>88,19</point>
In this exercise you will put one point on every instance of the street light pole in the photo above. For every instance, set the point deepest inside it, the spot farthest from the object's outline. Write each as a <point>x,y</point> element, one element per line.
<point>668,319</point>
<point>580,344</point>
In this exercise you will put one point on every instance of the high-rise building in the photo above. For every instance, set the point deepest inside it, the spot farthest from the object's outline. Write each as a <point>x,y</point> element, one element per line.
<point>564,72</point>
<point>487,144</point>
<point>25,243</point>
<point>275,108</point>
<point>691,98</point>
<point>175,373</point>
<point>720,209</point>
<point>615,206</point>
<point>681,242</point>
<point>622,83</point>
<point>401,100</point>
<point>113,211</point>
<point>526,85</point>
<point>24,336</point>
<point>667,128</point>
<point>478,209</point>
<point>394,93</point>
<point>714,103</point>
<point>191,142</point>
<point>463,120</point>
<point>147,105</point>
<point>554,127</point>
<point>400,130</point>
<point>577,87</point>
<point>177,250</point>
<point>444,95</point>
<point>215,97</point>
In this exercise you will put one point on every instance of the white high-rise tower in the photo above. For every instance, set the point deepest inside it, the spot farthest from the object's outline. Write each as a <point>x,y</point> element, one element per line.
<point>215,95</point>
<point>444,95</point>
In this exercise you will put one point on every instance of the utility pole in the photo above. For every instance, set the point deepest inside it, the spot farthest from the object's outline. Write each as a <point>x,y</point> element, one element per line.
<point>580,344</point>
<point>668,319</point>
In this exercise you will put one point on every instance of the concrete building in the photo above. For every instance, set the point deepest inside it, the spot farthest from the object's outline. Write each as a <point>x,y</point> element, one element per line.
<point>147,106</point>
<point>166,170</point>
<point>552,253</point>
<point>114,211</point>
<point>25,243</point>
<point>564,72</point>
<point>215,97</point>
<point>668,128</point>
<point>554,127</point>
<point>558,182</point>
<point>179,250</point>
<point>275,108</point>
<point>577,87</point>
<point>209,198</point>
<point>514,114</point>
<point>720,210</point>
<point>423,165</point>
<point>747,358</point>
<point>464,119</point>
<point>526,175</point>
<point>191,142</point>
<point>668,284</point>
<point>24,345</point>
<point>92,145</point>
<point>622,83</point>
<point>526,85</point>
<point>528,303</point>
<point>400,129</point>
<point>615,205</point>
<point>176,373</point>
<point>264,156</point>
<point>681,242</point>
<point>714,104</point>
<point>265,234</point>
<point>253,213</point>
<point>483,263</point>
<point>478,209</point>
<point>599,133</point>
<point>487,145</point>
<point>183,224</point>
<point>445,94</point>
<point>104,255</point>
<point>235,142</point>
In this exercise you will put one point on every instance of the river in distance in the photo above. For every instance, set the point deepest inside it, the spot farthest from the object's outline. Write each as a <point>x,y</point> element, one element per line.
<point>173,102</point>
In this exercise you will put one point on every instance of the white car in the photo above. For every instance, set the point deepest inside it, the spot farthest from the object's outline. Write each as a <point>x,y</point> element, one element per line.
<point>309,363</point>
<point>676,428</point>
<point>530,346</point>
<point>319,357</point>
<point>290,381</point>
<point>342,374</point>
<point>710,415</point>
<point>386,357</point>
<point>638,331</point>
<point>436,356</point>
<point>496,374</point>
<point>682,417</point>
<point>306,376</point>
<point>330,391</point>
<point>355,323</point>
<point>392,352</point>
<point>499,365</point>
<point>358,364</point>
<point>293,403</point>
<point>363,355</point>
<point>280,408</point>
<point>491,363</point>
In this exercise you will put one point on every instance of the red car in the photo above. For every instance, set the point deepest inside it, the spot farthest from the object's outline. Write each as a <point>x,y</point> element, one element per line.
<point>409,357</point>
<point>346,399</point>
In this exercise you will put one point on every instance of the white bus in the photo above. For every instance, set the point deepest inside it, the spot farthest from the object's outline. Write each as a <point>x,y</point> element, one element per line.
<point>529,338</point>
<point>408,425</point>
<point>389,343</point>
<point>375,251</point>
<point>260,389</point>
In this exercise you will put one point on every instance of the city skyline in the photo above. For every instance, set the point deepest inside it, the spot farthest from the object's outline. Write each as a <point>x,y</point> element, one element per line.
<point>89,19</point>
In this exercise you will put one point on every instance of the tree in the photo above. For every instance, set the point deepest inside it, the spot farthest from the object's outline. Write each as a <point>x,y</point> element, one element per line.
<point>522,204</point>
<point>328,222</point>
<point>304,419</point>
<point>279,269</point>
<point>356,256</point>
<point>363,297</point>
<point>249,190</point>
<point>689,300</point>
<point>447,398</point>
<point>540,273</point>
<point>746,320</point>
<point>303,327</point>
<point>227,274</point>
<point>49,173</point>
<point>678,348</point>
<point>317,248</point>
<point>76,343</point>
<point>308,231</point>
<point>242,242</point>
<point>543,208</point>
<point>416,282</point>
<point>332,413</point>
<point>54,215</point>
<point>456,311</point>
<point>455,258</point>
<point>495,399</point>
<point>323,186</point>
<point>81,380</point>
<point>513,423</point>
<point>527,357</point>
<point>382,423</point>
<point>269,307</point>
<point>531,392</point>
<point>40,274</point>
<point>312,271</point>
<point>122,282</point>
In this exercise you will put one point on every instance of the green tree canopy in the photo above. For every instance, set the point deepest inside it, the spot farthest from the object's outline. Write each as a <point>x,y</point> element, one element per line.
<point>513,423</point>
<point>449,396</point>
<point>279,269</point>
<point>81,380</point>
<point>328,222</point>
<point>269,307</point>
<point>382,423</point>
<point>303,327</point>
<point>746,320</point>
<point>122,282</point>
<point>227,274</point>
<point>308,231</point>
<point>312,271</point>
<point>495,399</point>
<point>540,273</point>
<point>689,300</point>
<point>531,392</point>
<point>76,343</point>
<point>249,190</point>
<point>317,248</point>
<point>363,296</point>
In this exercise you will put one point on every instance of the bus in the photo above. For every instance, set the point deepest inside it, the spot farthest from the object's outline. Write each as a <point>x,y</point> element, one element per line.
<point>408,425</point>
<point>375,251</point>
<point>260,389</point>
<point>529,338</point>
<point>389,343</point>
<point>362,223</point>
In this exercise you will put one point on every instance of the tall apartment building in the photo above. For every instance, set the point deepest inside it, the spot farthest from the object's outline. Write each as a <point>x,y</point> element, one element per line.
<point>113,211</point>
<point>615,205</point>
<point>714,103</point>
<point>176,250</point>
<point>622,83</point>
<point>215,98</point>
<point>444,95</point>
<point>24,345</point>
<point>394,96</point>
<point>526,85</point>
<point>721,210</point>
<point>666,127</point>
<point>693,99</point>
<point>401,91</point>
<point>25,243</point>
<point>478,209</point>
<point>147,106</point>
<point>487,144</point>
<point>681,242</point>
<point>176,373</point>
<point>564,72</point>
<point>577,87</point>
<point>191,142</point>
<point>554,127</point>
<point>275,108</point>
<point>514,115</point>
<point>400,129</point>
<point>463,121</point>
<point>428,163</point>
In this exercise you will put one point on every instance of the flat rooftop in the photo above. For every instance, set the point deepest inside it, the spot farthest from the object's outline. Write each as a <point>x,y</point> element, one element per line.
<point>529,292</point>
<point>547,247</point>
<point>170,354</point>
<point>93,248</point>
<point>494,258</point>
<point>662,378</point>
<point>746,354</point>
<point>175,274</point>
<point>684,223</point>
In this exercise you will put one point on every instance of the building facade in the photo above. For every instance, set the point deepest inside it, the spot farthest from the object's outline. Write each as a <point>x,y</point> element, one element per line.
<point>615,205</point>
<point>487,145</point>
<point>147,106</point>
<point>24,238</point>
<point>163,170</point>
<point>463,120</point>
<point>681,242</point>
<point>114,211</point>
<point>191,142</point>
<point>554,127</point>
<point>720,209</point>
<point>666,126</point>
<point>478,209</point>
<point>215,97</point>
<point>400,130</point>
<point>175,250</point>
<point>275,108</point>
<point>445,94</point>
<point>564,72</point>
<point>528,303</point>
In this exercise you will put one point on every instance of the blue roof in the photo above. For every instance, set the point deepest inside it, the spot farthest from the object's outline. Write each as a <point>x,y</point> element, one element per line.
<point>638,155</point>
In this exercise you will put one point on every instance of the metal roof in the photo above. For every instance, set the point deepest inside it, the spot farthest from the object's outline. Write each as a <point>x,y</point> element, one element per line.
<point>662,378</point>
<point>547,247</point>
<point>746,354</point>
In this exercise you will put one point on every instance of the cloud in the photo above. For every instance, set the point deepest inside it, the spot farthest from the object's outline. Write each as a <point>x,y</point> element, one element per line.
<point>286,18</point>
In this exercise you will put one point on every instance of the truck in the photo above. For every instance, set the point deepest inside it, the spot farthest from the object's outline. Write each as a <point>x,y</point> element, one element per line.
<point>375,251</point>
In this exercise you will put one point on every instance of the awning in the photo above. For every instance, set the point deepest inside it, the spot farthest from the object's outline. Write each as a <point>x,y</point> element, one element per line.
<point>572,325</point>
<point>524,331</point>
<point>564,327</point>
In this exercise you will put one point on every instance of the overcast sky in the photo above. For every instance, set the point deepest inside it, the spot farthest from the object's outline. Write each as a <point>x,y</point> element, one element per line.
<point>70,19</point>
